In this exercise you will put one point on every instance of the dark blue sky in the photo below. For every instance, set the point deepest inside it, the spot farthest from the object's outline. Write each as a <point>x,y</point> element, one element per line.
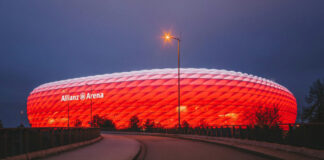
<point>44,41</point>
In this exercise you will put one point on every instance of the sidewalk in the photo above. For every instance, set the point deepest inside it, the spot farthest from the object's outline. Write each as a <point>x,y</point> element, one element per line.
<point>111,147</point>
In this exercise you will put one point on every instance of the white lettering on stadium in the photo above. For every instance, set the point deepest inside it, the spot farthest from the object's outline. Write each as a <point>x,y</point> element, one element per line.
<point>82,96</point>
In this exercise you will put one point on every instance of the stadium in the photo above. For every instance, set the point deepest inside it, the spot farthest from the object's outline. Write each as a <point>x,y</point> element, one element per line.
<point>210,96</point>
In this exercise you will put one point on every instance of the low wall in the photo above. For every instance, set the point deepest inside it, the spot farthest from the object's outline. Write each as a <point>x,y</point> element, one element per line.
<point>18,141</point>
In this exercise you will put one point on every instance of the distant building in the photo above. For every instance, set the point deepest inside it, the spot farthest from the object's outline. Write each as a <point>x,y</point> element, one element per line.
<point>209,96</point>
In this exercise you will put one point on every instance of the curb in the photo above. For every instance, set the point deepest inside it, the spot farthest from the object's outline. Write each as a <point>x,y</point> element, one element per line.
<point>52,151</point>
<point>141,151</point>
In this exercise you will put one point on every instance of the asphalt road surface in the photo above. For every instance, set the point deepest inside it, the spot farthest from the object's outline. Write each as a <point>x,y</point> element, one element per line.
<point>165,148</point>
<point>112,147</point>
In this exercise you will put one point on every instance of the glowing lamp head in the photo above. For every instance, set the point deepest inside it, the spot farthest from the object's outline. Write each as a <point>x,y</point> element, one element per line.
<point>167,36</point>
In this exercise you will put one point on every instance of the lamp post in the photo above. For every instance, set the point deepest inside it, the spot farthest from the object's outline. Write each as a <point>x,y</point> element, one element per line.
<point>168,37</point>
<point>69,112</point>
<point>68,109</point>
<point>21,118</point>
<point>66,94</point>
<point>90,104</point>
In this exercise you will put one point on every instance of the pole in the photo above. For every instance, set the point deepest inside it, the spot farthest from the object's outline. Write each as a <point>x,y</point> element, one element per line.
<point>21,118</point>
<point>69,117</point>
<point>91,105</point>
<point>68,109</point>
<point>179,83</point>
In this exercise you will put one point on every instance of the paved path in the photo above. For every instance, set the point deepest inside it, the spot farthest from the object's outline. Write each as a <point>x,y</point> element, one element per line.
<point>165,148</point>
<point>112,147</point>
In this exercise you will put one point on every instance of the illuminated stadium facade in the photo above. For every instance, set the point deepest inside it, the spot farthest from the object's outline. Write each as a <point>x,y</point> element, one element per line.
<point>209,96</point>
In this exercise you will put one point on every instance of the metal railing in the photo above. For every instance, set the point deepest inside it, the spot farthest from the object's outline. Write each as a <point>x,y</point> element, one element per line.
<point>16,141</point>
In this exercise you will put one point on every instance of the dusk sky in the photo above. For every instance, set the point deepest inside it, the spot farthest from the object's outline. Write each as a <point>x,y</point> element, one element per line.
<point>45,41</point>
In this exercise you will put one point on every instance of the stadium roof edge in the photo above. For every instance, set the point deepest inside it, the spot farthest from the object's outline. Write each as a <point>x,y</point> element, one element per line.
<point>166,71</point>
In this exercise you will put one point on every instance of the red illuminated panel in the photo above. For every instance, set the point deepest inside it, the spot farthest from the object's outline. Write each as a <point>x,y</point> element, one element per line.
<point>213,97</point>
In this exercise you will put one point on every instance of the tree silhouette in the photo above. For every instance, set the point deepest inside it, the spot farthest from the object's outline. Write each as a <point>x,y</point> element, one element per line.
<point>315,99</point>
<point>203,124</point>
<point>265,116</point>
<point>266,122</point>
<point>97,120</point>
<point>149,125</point>
<point>1,125</point>
<point>77,123</point>
<point>185,126</point>
<point>102,122</point>
<point>107,123</point>
<point>134,123</point>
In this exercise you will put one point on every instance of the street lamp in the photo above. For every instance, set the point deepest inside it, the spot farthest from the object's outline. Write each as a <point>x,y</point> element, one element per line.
<point>67,92</point>
<point>69,112</point>
<point>90,104</point>
<point>21,118</point>
<point>168,37</point>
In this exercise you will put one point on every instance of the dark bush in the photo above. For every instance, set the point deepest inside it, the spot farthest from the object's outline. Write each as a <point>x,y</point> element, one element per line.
<point>134,123</point>
<point>149,125</point>
<point>101,122</point>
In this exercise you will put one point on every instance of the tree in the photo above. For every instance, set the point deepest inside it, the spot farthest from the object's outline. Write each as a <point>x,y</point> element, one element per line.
<point>97,121</point>
<point>1,125</point>
<point>108,123</point>
<point>203,124</point>
<point>134,123</point>
<point>149,125</point>
<point>266,124</point>
<point>102,122</point>
<point>77,123</point>
<point>185,126</point>
<point>265,116</point>
<point>315,99</point>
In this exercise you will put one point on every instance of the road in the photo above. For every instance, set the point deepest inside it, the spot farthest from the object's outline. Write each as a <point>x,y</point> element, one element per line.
<point>112,147</point>
<point>165,148</point>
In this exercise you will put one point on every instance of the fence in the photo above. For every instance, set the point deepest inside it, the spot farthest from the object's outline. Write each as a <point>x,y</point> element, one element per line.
<point>16,141</point>
<point>309,135</point>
